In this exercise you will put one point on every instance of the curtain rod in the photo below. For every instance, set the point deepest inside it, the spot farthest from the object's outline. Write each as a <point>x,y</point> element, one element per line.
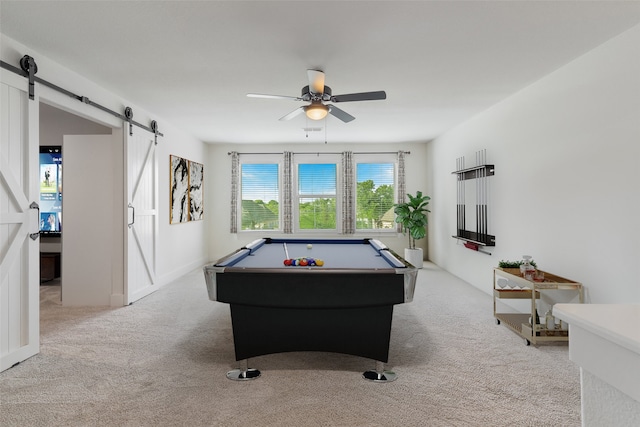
<point>28,68</point>
<point>327,152</point>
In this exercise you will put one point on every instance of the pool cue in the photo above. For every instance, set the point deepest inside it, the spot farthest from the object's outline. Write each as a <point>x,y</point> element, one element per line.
<point>286,252</point>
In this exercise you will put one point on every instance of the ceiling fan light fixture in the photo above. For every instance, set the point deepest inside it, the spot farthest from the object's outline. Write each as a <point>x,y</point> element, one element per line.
<point>317,93</point>
<point>316,111</point>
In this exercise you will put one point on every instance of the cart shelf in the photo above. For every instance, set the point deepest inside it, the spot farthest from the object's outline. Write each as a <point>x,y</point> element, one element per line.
<point>514,293</point>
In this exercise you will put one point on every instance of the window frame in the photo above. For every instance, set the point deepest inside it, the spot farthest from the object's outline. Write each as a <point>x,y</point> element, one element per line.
<point>314,158</point>
<point>386,158</point>
<point>261,159</point>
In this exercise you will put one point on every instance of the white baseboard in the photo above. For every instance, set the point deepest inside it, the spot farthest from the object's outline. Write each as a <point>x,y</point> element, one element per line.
<point>179,272</point>
<point>117,300</point>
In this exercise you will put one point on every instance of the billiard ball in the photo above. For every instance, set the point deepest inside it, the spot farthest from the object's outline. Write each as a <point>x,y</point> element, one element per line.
<point>309,246</point>
<point>319,262</point>
<point>287,262</point>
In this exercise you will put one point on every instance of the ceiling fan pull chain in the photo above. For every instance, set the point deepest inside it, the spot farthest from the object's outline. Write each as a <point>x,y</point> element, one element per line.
<point>325,130</point>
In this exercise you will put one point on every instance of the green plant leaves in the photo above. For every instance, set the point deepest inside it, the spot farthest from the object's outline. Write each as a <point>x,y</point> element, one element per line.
<point>412,216</point>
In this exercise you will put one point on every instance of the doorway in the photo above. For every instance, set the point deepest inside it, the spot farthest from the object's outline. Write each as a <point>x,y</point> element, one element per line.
<point>54,125</point>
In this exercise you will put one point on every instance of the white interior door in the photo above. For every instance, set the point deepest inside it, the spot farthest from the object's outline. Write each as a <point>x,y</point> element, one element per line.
<point>142,214</point>
<point>19,242</point>
<point>90,273</point>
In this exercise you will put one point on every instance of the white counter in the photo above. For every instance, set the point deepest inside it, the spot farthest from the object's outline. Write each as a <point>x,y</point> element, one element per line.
<point>604,340</point>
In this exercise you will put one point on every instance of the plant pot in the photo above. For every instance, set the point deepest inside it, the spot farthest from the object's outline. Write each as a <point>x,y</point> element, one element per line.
<point>414,256</point>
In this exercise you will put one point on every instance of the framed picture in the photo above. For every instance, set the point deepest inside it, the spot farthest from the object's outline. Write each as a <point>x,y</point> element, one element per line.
<point>186,199</point>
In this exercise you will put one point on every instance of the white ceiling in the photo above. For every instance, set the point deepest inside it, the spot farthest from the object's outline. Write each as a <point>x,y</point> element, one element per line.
<point>193,62</point>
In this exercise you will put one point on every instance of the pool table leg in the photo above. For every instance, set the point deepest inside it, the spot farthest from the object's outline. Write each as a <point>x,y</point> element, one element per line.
<point>243,373</point>
<point>380,375</point>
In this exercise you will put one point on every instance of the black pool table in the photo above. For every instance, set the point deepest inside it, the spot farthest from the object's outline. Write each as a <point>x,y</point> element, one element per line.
<point>343,306</point>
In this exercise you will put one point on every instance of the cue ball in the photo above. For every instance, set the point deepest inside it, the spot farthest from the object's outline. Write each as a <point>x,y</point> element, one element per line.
<point>309,246</point>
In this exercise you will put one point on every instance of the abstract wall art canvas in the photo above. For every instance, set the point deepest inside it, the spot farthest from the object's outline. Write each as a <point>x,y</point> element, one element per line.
<point>196,178</point>
<point>186,199</point>
<point>179,200</point>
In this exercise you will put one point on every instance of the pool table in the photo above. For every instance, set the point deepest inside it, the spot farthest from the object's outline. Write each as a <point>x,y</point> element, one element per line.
<point>343,306</point>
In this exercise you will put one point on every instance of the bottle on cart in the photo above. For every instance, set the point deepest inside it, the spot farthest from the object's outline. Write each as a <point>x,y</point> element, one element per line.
<point>527,270</point>
<point>549,320</point>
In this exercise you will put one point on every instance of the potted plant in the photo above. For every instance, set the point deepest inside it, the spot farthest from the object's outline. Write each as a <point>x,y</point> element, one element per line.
<point>413,218</point>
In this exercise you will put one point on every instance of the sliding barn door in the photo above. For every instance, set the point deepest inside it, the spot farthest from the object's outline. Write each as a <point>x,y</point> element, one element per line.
<point>89,276</point>
<point>19,239</point>
<point>142,214</point>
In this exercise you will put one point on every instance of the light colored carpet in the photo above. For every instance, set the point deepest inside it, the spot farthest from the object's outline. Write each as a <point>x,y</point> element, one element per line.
<point>162,362</point>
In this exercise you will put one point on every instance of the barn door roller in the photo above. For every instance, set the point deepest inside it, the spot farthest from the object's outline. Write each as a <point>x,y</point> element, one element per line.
<point>28,65</point>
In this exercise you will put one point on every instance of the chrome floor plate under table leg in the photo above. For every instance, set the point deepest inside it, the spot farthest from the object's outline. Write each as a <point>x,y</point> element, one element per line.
<point>380,375</point>
<point>243,373</point>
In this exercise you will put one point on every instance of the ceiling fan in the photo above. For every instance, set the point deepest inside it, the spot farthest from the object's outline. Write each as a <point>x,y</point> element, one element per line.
<point>317,93</point>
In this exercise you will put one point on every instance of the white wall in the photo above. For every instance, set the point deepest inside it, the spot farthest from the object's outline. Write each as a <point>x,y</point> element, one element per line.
<point>566,190</point>
<point>218,190</point>
<point>56,123</point>
<point>180,247</point>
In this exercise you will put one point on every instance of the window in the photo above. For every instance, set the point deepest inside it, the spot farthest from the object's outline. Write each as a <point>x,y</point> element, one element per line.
<point>317,191</point>
<point>375,196</point>
<point>306,192</point>
<point>260,196</point>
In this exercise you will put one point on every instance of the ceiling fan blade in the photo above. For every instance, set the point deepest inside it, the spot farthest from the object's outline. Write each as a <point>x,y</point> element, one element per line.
<point>260,95</point>
<point>316,81</point>
<point>292,114</point>
<point>342,115</point>
<point>363,96</point>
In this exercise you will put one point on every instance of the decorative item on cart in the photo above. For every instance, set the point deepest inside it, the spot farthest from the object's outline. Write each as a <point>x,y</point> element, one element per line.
<point>527,269</point>
<point>515,264</point>
<point>550,321</point>
<point>518,265</point>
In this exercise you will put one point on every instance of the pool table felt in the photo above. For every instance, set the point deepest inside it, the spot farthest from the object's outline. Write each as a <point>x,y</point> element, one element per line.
<point>343,256</point>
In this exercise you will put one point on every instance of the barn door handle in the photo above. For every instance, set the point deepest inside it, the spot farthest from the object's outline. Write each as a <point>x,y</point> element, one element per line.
<point>133,215</point>
<point>34,205</point>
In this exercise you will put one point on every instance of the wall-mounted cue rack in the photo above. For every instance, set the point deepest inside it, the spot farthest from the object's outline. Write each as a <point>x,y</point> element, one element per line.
<point>29,68</point>
<point>479,238</point>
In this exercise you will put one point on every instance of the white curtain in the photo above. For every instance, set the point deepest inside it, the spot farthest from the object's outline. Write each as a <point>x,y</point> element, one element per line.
<point>235,171</point>
<point>287,193</point>
<point>348,198</point>
<point>402,190</point>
